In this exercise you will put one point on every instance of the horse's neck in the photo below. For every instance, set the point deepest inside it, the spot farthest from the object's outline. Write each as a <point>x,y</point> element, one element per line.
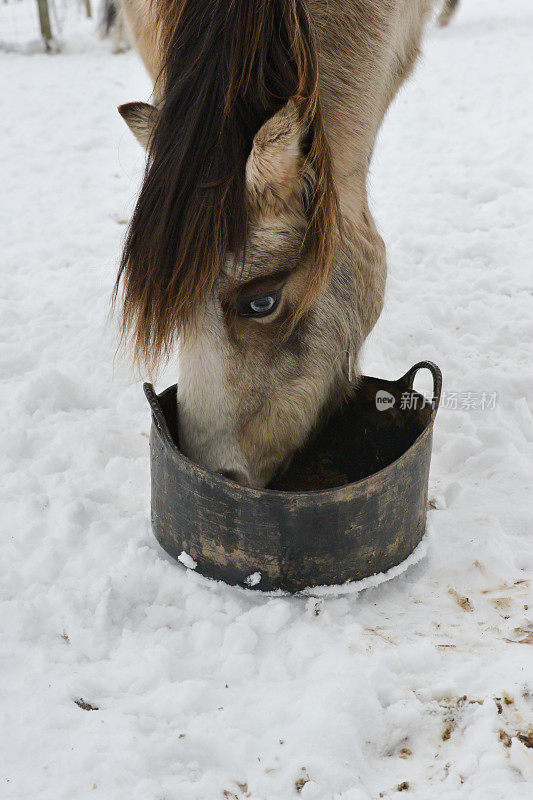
<point>367,49</point>
<point>140,18</point>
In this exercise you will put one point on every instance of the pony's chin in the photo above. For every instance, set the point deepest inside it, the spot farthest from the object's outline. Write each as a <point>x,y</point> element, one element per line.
<point>238,476</point>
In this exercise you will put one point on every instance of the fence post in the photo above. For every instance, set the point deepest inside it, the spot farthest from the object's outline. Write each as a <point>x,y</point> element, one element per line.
<point>44,22</point>
<point>88,8</point>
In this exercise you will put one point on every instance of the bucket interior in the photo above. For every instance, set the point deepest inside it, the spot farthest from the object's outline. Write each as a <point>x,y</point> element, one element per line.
<point>356,441</point>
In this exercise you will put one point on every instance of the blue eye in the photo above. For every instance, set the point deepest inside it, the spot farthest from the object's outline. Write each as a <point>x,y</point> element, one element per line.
<point>258,306</point>
<point>262,304</point>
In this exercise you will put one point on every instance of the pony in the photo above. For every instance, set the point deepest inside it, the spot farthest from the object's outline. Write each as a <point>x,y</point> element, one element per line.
<point>252,248</point>
<point>448,10</point>
<point>111,24</point>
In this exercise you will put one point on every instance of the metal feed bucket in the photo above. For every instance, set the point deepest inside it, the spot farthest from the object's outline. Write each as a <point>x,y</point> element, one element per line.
<point>274,539</point>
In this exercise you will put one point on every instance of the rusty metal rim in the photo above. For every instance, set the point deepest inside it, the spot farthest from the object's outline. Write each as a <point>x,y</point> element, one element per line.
<point>320,494</point>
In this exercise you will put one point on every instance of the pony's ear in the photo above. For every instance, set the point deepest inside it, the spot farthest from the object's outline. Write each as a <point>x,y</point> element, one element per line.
<point>141,119</point>
<point>274,166</point>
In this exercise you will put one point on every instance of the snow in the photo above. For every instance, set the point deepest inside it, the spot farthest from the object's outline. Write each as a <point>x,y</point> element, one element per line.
<point>253,579</point>
<point>192,690</point>
<point>187,560</point>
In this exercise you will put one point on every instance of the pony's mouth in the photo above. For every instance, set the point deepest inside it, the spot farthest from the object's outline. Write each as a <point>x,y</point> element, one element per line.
<point>237,475</point>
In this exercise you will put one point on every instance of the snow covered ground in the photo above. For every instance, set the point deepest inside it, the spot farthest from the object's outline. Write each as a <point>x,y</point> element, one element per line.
<point>123,675</point>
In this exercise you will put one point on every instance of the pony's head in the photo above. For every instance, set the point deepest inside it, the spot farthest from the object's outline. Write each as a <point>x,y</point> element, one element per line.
<point>234,251</point>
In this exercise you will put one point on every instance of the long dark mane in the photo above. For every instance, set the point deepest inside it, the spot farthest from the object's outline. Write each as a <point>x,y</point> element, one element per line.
<point>229,66</point>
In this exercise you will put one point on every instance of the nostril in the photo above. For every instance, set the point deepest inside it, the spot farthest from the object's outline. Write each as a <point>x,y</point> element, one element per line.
<point>235,475</point>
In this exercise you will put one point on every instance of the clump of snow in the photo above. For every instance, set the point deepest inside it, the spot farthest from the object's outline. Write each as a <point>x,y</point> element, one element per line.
<point>196,689</point>
<point>187,560</point>
<point>253,579</point>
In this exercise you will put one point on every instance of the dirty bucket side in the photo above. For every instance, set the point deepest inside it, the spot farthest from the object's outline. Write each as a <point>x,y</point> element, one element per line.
<point>376,526</point>
<point>230,536</point>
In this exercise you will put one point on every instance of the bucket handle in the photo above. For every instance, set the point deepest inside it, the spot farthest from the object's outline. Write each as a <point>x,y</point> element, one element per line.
<point>408,379</point>
<point>157,412</point>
